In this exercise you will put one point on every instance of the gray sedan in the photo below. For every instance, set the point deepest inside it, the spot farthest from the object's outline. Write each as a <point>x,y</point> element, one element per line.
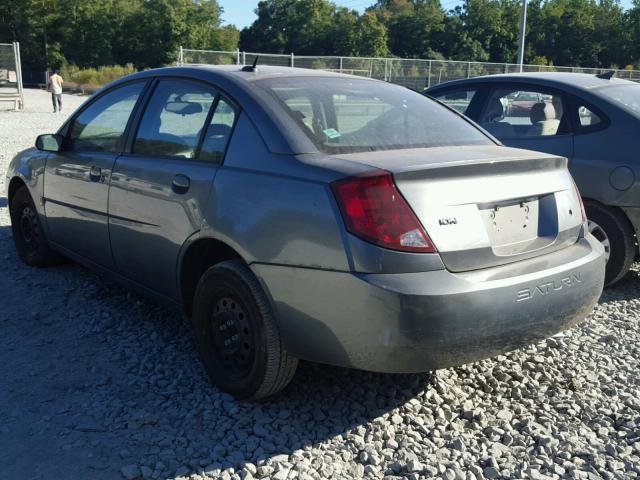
<point>592,120</point>
<point>296,214</point>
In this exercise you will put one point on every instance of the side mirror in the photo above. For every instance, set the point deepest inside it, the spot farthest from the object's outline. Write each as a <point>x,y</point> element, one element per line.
<point>50,142</point>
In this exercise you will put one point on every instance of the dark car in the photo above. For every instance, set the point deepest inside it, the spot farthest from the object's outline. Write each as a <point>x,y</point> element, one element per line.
<point>297,214</point>
<point>592,120</point>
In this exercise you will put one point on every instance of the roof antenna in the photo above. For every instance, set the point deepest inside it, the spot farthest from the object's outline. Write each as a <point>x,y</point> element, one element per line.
<point>606,75</point>
<point>251,68</point>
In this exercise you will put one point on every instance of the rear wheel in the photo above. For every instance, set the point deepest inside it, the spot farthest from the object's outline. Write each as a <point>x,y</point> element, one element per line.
<point>612,229</point>
<point>28,236</point>
<point>237,335</point>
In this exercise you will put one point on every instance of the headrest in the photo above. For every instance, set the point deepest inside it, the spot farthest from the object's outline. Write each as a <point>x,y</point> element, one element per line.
<point>541,112</point>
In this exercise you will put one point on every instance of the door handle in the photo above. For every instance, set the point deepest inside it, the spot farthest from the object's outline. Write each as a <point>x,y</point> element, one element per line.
<point>95,174</point>
<point>180,184</point>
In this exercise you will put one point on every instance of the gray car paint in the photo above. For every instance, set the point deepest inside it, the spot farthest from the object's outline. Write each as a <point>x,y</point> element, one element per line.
<point>604,163</point>
<point>338,299</point>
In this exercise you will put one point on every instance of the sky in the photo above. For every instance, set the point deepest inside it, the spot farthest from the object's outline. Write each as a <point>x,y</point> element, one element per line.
<point>240,12</point>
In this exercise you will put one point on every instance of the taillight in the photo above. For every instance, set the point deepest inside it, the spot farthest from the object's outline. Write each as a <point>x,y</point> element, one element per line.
<point>582,210</point>
<point>374,210</point>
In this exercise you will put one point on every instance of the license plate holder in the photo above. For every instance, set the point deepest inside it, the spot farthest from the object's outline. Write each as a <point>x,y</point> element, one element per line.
<point>511,223</point>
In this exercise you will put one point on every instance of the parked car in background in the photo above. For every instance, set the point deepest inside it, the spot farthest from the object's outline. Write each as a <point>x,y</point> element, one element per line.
<point>298,214</point>
<point>592,120</point>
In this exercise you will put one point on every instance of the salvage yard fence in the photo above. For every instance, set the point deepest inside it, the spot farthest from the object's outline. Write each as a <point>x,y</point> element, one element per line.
<point>416,74</point>
<point>11,75</point>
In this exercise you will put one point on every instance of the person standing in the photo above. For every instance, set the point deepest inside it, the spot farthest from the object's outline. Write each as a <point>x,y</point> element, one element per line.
<point>55,87</point>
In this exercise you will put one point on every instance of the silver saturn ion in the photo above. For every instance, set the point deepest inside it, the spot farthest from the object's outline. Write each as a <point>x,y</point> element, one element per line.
<point>296,214</point>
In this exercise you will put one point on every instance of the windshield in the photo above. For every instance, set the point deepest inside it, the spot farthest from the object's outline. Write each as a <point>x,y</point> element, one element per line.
<point>342,115</point>
<point>627,96</point>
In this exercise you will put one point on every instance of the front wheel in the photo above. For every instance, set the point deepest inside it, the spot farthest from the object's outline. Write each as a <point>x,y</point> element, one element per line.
<point>236,333</point>
<point>612,229</point>
<point>28,236</point>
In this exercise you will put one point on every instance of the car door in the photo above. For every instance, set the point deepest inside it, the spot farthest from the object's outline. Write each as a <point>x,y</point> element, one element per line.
<point>529,117</point>
<point>76,180</point>
<point>159,190</point>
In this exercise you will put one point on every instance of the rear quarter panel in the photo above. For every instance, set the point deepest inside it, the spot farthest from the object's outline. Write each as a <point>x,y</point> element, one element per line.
<point>274,208</point>
<point>606,163</point>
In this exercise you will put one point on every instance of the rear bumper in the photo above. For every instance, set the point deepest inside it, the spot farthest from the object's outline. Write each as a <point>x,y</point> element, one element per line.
<point>415,322</point>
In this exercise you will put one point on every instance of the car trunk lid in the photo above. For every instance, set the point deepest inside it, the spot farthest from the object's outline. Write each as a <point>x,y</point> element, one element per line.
<point>485,206</point>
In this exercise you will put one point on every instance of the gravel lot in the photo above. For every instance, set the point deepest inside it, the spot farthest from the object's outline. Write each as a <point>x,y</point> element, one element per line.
<point>100,383</point>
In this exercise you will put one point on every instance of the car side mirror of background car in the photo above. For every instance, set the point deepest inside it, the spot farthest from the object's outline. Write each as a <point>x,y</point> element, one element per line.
<point>50,142</point>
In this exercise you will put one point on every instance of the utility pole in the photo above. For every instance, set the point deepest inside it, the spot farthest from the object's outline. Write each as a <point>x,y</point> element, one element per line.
<point>523,29</point>
<point>44,28</point>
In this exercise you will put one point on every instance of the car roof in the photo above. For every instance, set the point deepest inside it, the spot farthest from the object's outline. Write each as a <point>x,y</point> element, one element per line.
<point>261,72</point>
<point>279,132</point>
<point>580,81</point>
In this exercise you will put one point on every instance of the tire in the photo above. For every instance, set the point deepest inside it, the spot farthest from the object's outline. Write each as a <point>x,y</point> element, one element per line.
<point>613,229</point>
<point>28,235</point>
<point>236,333</point>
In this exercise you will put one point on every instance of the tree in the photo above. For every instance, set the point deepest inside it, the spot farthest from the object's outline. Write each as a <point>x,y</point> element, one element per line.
<point>284,26</point>
<point>371,37</point>
<point>90,33</point>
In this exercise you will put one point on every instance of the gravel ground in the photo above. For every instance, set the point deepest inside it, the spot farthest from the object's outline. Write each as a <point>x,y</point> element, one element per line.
<point>100,383</point>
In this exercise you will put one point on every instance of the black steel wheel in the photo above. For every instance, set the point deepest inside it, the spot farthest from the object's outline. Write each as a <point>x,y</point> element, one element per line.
<point>28,235</point>
<point>231,335</point>
<point>236,333</point>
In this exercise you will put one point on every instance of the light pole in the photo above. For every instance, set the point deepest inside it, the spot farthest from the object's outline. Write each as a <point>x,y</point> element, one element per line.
<point>523,29</point>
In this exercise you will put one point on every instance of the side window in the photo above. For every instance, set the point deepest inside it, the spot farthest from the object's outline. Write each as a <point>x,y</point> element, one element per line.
<point>218,132</point>
<point>100,127</point>
<point>174,119</point>
<point>458,100</point>
<point>523,113</point>
<point>587,117</point>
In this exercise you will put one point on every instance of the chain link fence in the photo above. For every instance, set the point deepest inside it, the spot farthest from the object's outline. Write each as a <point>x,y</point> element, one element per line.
<point>11,75</point>
<point>416,74</point>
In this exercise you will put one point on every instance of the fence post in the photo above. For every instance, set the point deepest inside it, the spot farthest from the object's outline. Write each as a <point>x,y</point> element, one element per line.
<point>340,64</point>
<point>386,69</point>
<point>429,76</point>
<point>237,56</point>
<point>16,53</point>
<point>181,57</point>
<point>244,58</point>
<point>506,68</point>
<point>292,61</point>
<point>469,70</point>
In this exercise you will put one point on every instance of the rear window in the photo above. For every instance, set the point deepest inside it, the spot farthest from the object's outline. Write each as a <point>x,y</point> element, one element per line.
<point>343,115</point>
<point>626,96</point>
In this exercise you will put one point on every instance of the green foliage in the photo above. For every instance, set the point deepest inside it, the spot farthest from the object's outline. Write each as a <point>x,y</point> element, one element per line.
<point>148,33</point>
<point>92,77</point>
<point>90,33</point>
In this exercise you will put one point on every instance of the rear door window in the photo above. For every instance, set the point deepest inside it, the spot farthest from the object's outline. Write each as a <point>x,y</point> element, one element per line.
<point>510,113</point>
<point>174,119</point>
<point>218,132</point>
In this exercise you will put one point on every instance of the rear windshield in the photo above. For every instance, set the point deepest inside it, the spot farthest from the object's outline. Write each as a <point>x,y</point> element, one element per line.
<point>626,96</point>
<point>342,115</point>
